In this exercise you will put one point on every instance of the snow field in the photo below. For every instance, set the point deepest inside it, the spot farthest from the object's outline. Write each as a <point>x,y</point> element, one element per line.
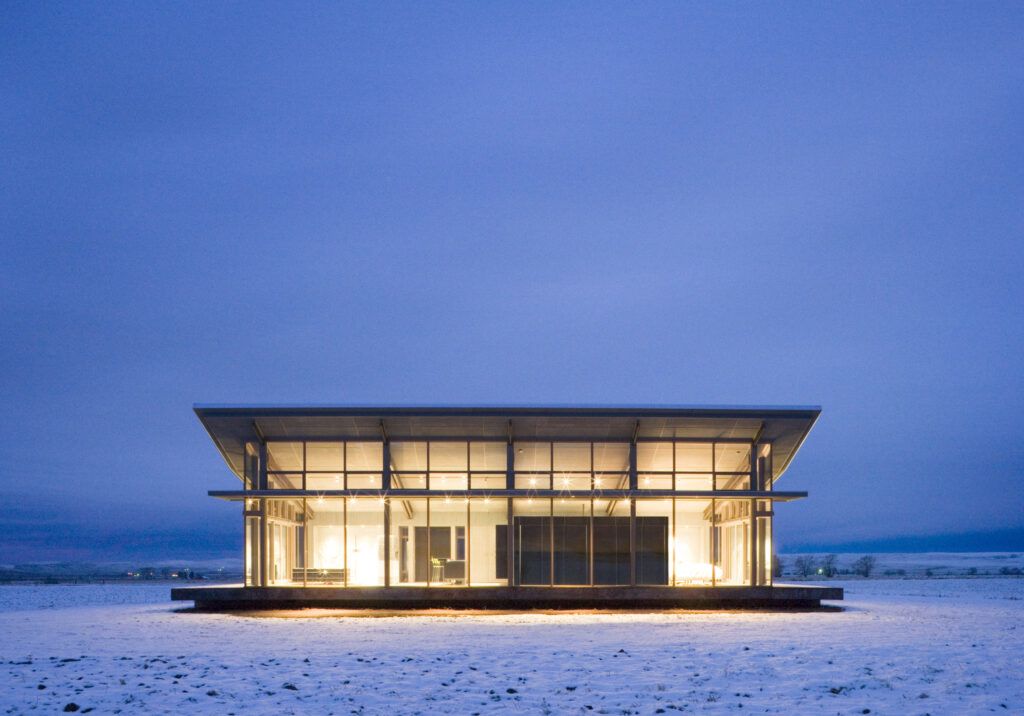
<point>899,647</point>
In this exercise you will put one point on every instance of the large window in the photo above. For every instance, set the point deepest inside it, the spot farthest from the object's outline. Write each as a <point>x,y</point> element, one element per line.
<point>531,525</point>
<point>653,541</point>
<point>324,540</point>
<point>488,541</point>
<point>448,465</point>
<point>364,542</point>
<point>570,547</point>
<point>323,465</point>
<point>410,541</point>
<point>692,561</point>
<point>284,541</point>
<point>732,541</point>
<point>449,541</point>
<point>571,467</point>
<point>693,466</point>
<point>611,541</point>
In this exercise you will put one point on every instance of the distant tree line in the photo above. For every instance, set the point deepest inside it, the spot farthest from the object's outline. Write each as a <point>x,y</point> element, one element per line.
<point>828,566</point>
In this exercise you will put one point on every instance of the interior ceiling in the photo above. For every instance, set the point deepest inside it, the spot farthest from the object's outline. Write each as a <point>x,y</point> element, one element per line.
<point>232,427</point>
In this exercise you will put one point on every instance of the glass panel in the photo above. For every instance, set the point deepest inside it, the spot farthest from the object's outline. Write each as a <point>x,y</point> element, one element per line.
<point>653,541</point>
<point>325,457</point>
<point>488,541</point>
<point>487,456</point>
<point>611,541</point>
<point>611,482</point>
<point>460,543</point>
<point>284,481</point>
<point>732,482</point>
<point>284,457</point>
<point>611,457</point>
<point>284,542</point>
<point>364,542</point>
<point>732,526</point>
<point>325,481</point>
<point>691,543</point>
<point>252,551</point>
<point>449,481</point>
<point>533,482</point>
<point>487,482</point>
<point>532,525</point>
<point>694,482</point>
<point>764,542</point>
<point>448,515</point>
<point>693,457</point>
<point>325,542</point>
<point>571,543</point>
<point>572,457</point>
<point>410,561</point>
<point>732,457</point>
<point>654,482</point>
<point>533,456</point>
<point>364,482</point>
<point>409,457</point>
<point>449,457</point>
<point>407,481</point>
<point>366,456</point>
<point>569,482</point>
<point>654,457</point>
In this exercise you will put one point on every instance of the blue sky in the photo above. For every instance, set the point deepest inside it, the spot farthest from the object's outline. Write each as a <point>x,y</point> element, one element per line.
<point>520,203</point>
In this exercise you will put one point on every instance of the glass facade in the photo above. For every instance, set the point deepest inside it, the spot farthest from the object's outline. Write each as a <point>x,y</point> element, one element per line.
<point>486,513</point>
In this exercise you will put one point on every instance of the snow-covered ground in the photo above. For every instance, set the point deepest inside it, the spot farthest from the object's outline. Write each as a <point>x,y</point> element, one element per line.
<point>949,646</point>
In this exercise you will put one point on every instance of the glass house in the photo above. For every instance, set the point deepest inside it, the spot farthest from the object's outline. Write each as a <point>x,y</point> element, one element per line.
<point>514,506</point>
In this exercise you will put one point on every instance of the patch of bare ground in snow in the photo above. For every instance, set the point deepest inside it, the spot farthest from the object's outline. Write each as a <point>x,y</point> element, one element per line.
<point>907,647</point>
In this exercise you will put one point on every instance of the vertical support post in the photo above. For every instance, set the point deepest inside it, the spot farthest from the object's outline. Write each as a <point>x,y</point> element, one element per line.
<point>246,547</point>
<point>510,543</point>
<point>387,542</point>
<point>590,544</point>
<point>344,538</point>
<point>754,571</point>
<point>632,541</point>
<point>714,542</point>
<point>551,541</point>
<point>510,535</point>
<point>261,576</point>
<point>633,486</point>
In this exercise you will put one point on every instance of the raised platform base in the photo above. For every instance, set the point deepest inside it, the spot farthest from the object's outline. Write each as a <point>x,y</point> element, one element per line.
<point>264,598</point>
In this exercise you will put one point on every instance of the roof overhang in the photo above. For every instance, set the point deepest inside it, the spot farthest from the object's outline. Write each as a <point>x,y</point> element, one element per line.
<point>232,426</point>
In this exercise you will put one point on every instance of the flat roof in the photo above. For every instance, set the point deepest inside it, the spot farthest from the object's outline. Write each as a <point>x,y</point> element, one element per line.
<point>231,426</point>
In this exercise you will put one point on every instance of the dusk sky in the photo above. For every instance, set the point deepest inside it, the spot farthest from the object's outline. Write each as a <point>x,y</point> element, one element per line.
<point>740,204</point>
